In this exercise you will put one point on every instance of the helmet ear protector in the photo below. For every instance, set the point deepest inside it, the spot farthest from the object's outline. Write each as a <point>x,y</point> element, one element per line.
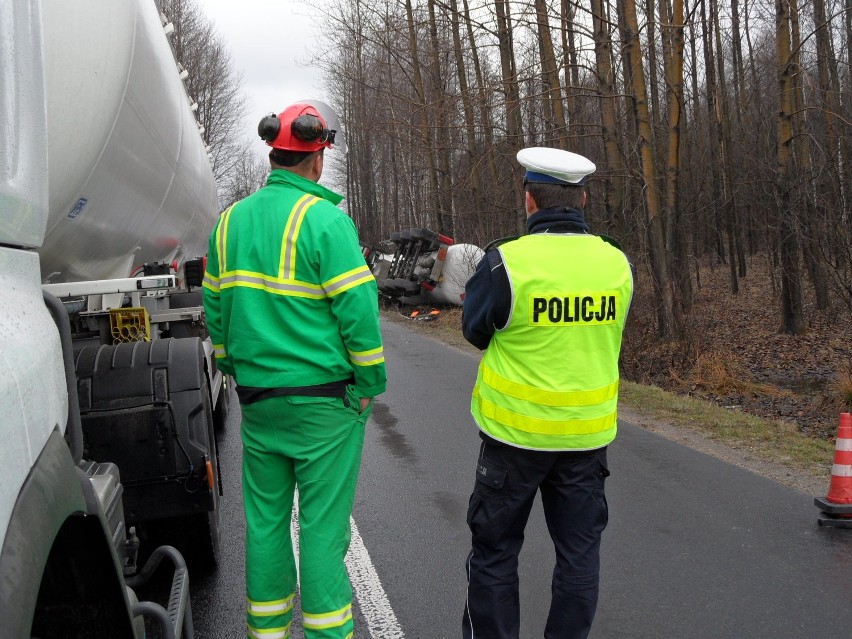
<point>307,127</point>
<point>269,127</point>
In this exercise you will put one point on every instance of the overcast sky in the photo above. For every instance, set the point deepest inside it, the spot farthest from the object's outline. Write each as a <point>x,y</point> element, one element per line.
<point>269,41</point>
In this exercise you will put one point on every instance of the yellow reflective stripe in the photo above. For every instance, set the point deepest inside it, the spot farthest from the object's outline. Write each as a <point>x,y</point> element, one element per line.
<point>270,608</point>
<point>327,619</point>
<point>282,632</point>
<point>219,350</point>
<point>367,358</point>
<point>348,280</point>
<point>545,426</point>
<point>287,263</point>
<point>270,284</point>
<point>548,397</point>
<point>222,236</point>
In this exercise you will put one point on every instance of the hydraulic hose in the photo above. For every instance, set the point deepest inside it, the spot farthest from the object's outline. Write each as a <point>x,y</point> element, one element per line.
<point>74,426</point>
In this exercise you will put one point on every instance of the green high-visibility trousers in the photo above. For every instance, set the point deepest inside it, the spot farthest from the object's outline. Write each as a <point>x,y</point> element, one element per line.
<point>312,444</point>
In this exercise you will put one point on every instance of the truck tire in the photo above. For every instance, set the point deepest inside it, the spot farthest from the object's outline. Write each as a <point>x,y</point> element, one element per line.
<point>201,532</point>
<point>147,408</point>
<point>223,406</point>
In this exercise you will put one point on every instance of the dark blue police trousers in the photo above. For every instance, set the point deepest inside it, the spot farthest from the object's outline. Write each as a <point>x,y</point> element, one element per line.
<point>572,492</point>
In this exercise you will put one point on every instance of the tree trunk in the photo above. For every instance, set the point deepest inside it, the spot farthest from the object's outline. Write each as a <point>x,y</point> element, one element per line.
<point>723,130</point>
<point>791,289</point>
<point>673,42</point>
<point>614,183</point>
<point>653,83</point>
<point>484,115</point>
<point>829,90</point>
<point>713,136</point>
<point>704,236</point>
<point>666,323</point>
<point>467,107</point>
<point>550,78</point>
<point>568,12</point>
<point>446,224</point>
<point>424,119</point>
<point>806,195</point>
<point>514,128</point>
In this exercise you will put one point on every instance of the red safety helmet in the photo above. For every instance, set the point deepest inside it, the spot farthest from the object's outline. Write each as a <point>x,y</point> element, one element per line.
<point>300,127</point>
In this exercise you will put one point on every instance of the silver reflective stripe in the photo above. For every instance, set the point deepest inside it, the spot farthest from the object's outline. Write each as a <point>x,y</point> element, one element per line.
<point>219,350</point>
<point>363,274</point>
<point>210,281</point>
<point>269,608</point>
<point>271,284</point>
<point>844,444</point>
<point>329,620</point>
<point>366,359</point>
<point>270,633</point>
<point>287,266</point>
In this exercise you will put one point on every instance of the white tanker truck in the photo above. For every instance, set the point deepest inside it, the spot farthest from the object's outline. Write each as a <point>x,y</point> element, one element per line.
<point>108,387</point>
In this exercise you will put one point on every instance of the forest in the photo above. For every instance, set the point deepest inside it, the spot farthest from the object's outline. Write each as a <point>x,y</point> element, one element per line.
<point>721,137</point>
<point>720,131</point>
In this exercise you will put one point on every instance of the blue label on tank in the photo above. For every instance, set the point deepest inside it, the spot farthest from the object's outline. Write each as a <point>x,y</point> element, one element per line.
<point>77,208</point>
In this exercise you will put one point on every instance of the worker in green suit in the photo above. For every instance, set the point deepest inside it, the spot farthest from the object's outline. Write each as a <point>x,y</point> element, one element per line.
<point>292,310</point>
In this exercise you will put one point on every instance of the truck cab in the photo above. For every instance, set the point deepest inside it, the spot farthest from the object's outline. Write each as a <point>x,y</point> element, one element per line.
<point>79,479</point>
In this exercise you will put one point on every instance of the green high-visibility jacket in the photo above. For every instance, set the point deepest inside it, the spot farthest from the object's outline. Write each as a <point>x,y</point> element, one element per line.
<point>549,377</point>
<point>289,299</point>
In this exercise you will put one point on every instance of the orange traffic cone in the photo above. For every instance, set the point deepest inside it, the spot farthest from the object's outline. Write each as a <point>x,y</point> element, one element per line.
<point>837,505</point>
<point>840,490</point>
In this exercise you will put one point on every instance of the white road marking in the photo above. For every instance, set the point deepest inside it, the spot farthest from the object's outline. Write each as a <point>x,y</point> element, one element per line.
<point>372,600</point>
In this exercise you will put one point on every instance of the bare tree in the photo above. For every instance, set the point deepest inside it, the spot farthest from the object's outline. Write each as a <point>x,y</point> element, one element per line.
<point>791,287</point>
<point>247,174</point>
<point>666,318</point>
<point>211,83</point>
<point>682,117</point>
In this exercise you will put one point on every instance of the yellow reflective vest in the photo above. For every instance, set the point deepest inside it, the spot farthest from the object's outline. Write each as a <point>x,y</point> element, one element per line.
<point>549,378</point>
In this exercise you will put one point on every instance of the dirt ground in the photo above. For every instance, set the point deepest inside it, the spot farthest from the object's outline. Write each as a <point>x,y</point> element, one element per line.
<point>732,352</point>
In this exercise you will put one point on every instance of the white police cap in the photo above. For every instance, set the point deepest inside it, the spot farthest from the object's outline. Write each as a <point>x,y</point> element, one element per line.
<point>555,166</point>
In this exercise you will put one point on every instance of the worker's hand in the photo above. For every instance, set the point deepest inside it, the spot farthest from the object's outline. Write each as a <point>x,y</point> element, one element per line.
<point>365,401</point>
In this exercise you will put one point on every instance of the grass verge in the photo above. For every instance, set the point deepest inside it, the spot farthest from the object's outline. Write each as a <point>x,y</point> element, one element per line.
<point>777,441</point>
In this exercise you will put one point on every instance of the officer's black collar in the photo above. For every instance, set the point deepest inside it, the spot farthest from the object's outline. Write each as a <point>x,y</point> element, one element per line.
<point>558,219</point>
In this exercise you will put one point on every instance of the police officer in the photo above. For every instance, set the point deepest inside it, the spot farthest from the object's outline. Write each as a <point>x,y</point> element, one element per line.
<point>549,310</point>
<point>292,310</point>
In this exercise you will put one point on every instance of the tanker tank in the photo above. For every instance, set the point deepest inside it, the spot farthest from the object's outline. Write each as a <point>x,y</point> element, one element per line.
<point>459,266</point>
<point>128,172</point>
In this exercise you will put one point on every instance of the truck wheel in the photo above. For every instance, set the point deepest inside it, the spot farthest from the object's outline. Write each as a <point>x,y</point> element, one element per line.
<point>223,406</point>
<point>203,540</point>
<point>204,527</point>
<point>197,536</point>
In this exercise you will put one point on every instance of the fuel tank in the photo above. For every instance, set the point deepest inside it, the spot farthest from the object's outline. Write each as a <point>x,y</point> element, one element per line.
<point>129,177</point>
<point>459,265</point>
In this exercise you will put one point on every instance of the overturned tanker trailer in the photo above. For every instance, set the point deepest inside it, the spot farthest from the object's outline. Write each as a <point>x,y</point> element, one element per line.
<point>418,266</point>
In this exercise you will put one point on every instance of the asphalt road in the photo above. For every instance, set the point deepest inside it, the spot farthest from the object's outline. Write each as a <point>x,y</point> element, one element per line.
<point>695,547</point>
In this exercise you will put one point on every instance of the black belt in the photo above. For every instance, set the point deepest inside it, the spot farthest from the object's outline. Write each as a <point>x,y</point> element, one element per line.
<point>252,394</point>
